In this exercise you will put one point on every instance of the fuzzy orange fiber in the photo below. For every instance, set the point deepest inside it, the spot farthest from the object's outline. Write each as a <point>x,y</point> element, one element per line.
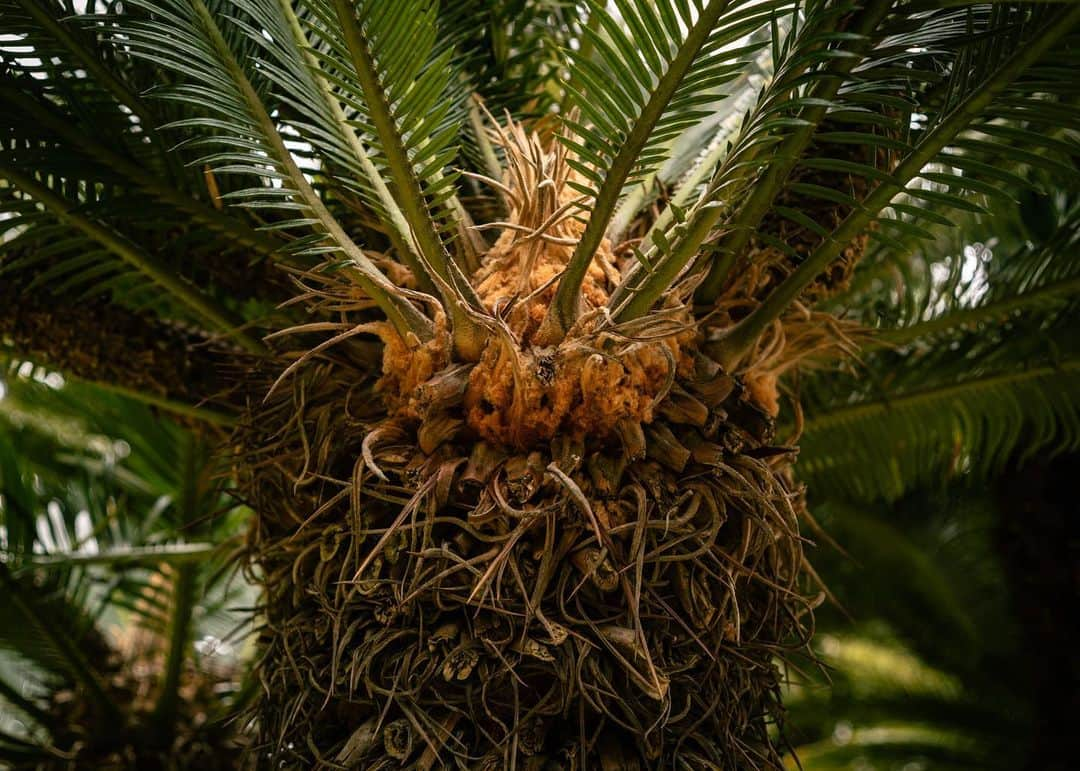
<point>520,394</point>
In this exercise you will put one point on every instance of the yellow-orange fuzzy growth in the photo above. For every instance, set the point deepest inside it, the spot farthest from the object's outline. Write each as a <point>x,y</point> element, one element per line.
<point>406,368</point>
<point>519,398</point>
<point>518,274</point>
<point>520,394</point>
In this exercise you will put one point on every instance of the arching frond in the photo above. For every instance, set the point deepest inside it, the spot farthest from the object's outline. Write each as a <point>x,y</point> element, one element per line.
<point>99,254</point>
<point>403,78</point>
<point>654,70</point>
<point>880,446</point>
<point>78,107</point>
<point>209,53</point>
<point>978,270</point>
<point>875,110</point>
<point>812,61</point>
<point>995,83</point>
<point>974,361</point>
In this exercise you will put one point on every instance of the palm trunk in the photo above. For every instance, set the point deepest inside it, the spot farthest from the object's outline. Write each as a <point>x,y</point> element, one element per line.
<point>100,341</point>
<point>561,606</point>
<point>552,558</point>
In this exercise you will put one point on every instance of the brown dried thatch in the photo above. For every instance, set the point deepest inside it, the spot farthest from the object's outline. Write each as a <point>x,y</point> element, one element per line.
<point>544,574</point>
<point>102,341</point>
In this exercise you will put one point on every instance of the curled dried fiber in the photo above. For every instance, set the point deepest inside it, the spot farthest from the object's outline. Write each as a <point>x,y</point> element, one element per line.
<point>576,557</point>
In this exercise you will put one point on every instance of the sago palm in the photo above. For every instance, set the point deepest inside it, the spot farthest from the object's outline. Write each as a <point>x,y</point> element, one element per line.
<point>501,310</point>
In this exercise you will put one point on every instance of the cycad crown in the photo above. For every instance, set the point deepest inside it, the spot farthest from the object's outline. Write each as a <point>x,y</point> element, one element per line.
<point>530,502</point>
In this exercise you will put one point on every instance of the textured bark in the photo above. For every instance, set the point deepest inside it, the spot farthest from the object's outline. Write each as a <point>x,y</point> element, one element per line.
<point>591,603</point>
<point>99,341</point>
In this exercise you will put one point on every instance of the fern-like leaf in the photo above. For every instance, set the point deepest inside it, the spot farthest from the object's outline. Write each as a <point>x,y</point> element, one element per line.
<point>652,74</point>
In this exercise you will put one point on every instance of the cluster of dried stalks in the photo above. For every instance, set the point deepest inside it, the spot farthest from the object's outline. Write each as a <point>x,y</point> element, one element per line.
<point>582,604</point>
<point>578,557</point>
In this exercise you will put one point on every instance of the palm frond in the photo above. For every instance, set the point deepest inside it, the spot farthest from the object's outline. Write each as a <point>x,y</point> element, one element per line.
<point>67,142</point>
<point>77,106</point>
<point>697,153</point>
<point>847,50</point>
<point>654,71</point>
<point>109,529</point>
<point>404,79</point>
<point>973,362</point>
<point>891,103</point>
<point>87,265</point>
<point>218,77</point>
<point>316,112</point>
<point>932,421</point>
<point>511,50</point>
<point>975,275</point>
<point>44,625</point>
<point>49,43</point>
<point>989,84</point>
<point>812,61</point>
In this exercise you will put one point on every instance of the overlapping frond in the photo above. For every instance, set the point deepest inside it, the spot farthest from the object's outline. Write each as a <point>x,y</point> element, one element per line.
<point>108,515</point>
<point>410,107</point>
<point>314,111</point>
<point>983,364</point>
<point>81,153</point>
<point>94,255</point>
<point>308,60</point>
<point>512,50</point>
<point>653,72</point>
<point>399,77</point>
<point>208,49</point>
<point>951,423</point>
<point>1012,44</point>
<point>886,124</point>
<point>77,106</point>
<point>813,52</point>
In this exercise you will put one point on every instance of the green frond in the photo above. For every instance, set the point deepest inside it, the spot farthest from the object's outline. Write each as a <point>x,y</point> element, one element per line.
<point>173,554</point>
<point>48,42</point>
<point>812,61</point>
<point>400,76</point>
<point>883,106</point>
<point>511,50</point>
<point>82,104</point>
<point>847,51</point>
<point>69,144</point>
<point>696,154</point>
<point>936,422</point>
<point>129,263</point>
<point>653,74</point>
<point>218,77</point>
<point>314,109</point>
<point>987,89</point>
<point>981,288</point>
<point>390,50</point>
<point>109,529</point>
<point>974,362</point>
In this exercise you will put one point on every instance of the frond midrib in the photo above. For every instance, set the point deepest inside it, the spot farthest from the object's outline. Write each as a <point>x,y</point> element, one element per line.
<point>869,408</point>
